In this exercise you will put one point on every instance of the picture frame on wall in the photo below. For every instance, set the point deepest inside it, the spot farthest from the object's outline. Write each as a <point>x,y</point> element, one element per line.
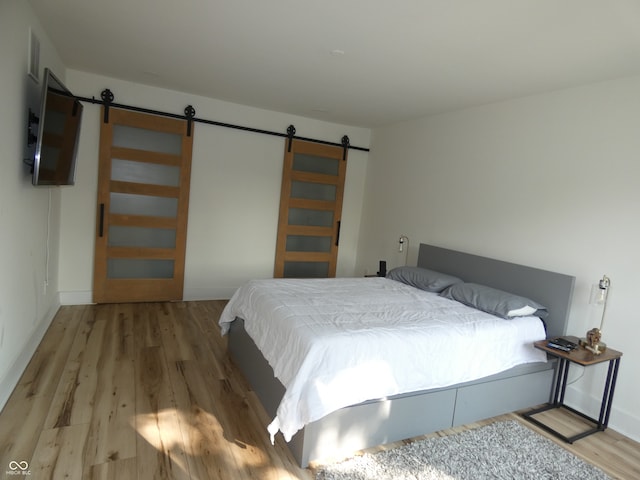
<point>33,63</point>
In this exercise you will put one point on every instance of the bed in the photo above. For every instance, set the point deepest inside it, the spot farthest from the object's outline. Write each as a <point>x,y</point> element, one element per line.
<point>320,425</point>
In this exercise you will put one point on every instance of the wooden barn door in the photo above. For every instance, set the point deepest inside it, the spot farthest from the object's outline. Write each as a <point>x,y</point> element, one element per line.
<point>143,202</point>
<point>310,210</point>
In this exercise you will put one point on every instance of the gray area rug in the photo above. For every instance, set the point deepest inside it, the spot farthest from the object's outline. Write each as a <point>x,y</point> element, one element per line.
<point>502,450</point>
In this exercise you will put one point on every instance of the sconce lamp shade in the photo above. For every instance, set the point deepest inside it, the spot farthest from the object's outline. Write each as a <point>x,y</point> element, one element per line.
<point>401,242</point>
<point>403,246</point>
<point>599,296</point>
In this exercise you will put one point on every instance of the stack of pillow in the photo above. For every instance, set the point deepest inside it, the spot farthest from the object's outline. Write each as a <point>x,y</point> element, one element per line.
<point>491,300</point>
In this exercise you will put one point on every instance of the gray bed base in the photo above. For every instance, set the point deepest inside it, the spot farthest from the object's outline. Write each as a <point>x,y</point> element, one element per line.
<point>403,416</point>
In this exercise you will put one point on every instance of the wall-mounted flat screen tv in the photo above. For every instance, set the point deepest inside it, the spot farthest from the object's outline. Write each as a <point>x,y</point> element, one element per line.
<point>54,162</point>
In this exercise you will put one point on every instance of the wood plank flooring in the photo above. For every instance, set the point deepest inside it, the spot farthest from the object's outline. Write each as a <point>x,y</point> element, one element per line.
<point>146,391</point>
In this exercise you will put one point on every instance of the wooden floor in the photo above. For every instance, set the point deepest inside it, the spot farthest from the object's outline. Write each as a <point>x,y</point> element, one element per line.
<point>146,391</point>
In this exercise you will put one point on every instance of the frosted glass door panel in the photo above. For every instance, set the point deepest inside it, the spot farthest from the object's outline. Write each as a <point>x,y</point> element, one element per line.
<point>139,268</point>
<point>306,243</point>
<point>310,217</point>
<point>132,204</point>
<point>313,191</point>
<point>149,140</point>
<point>306,269</point>
<point>142,172</point>
<point>311,163</point>
<point>121,236</point>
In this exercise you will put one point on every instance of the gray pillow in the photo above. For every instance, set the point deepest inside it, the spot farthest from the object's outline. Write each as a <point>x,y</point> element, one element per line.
<point>494,301</point>
<point>423,278</point>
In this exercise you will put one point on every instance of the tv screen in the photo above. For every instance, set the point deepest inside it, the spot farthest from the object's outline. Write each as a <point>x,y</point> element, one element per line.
<point>58,133</point>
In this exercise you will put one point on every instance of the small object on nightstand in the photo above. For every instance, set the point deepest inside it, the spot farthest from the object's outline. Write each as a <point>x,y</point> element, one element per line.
<point>382,270</point>
<point>563,344</point>
<point>592,342</point>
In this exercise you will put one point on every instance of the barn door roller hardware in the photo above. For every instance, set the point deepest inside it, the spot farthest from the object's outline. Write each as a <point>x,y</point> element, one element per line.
<point>345,145</point>
<point>107,97</point>
<point>190,113</point>
<point>291,131</point>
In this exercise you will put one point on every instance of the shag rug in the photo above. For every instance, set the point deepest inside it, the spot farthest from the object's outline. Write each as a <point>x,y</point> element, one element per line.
<point>501,450</point>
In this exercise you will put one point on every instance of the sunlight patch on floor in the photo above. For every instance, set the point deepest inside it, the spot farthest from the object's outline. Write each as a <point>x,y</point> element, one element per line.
<point>196,434</point>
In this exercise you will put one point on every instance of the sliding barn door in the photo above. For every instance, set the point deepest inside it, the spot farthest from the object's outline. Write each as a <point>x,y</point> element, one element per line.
<point>310,210</point>
<point>143,202</point>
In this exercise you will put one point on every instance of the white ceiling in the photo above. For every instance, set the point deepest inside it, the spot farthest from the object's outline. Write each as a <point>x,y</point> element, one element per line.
<point>356,62</point>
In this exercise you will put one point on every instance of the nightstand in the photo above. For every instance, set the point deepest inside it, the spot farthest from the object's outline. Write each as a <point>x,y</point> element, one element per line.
<point>584,357</point>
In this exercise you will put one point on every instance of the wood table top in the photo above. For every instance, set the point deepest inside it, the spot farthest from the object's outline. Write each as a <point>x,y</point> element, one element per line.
<point>580,355</point>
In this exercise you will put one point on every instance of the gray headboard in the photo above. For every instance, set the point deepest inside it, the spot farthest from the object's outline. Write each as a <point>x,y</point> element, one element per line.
<point>553,290</point>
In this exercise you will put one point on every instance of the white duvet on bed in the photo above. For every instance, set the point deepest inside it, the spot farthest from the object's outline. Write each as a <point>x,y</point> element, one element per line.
<point>340,341</point>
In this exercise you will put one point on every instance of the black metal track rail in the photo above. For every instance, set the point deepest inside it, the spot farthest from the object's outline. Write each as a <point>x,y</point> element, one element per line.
<point>189,114</point>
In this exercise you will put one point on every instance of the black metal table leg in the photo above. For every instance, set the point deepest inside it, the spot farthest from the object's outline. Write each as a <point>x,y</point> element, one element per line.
<point>560,387</point>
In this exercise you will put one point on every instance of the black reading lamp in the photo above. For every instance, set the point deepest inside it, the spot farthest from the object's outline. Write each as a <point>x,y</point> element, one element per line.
<point>599,296</point>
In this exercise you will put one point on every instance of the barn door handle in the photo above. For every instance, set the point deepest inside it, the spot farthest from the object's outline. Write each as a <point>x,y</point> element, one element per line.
<point>338,234</point>
<point>101,228</point>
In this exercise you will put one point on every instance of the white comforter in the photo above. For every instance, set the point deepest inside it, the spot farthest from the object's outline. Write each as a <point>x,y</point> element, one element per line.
<point>341,341</point>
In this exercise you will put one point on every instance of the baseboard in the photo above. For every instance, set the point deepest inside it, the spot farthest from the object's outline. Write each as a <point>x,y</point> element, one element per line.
<point>621,421</point>
<point>222,293</point>
<point>81,297</point>
<point>190,294</point>
<point>11,379</point>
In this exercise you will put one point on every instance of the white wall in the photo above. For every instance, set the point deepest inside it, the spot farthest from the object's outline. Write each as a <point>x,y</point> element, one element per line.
<point>549,181</point>
<point>26,309</point>
<point>235,190</point>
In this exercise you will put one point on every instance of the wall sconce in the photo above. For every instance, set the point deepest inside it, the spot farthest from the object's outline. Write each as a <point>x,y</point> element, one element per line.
<point>599,296</point>
<point>403,246</point>
<point>401,241</point>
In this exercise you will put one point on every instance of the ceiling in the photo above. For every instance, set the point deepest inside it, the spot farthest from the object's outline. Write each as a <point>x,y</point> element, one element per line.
<point>356,62</point>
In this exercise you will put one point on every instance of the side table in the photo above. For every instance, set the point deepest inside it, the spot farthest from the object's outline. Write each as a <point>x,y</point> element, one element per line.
<point>584,357</point>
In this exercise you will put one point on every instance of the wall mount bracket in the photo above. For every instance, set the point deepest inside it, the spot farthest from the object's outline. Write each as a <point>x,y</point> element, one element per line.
<point>32,120</point>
